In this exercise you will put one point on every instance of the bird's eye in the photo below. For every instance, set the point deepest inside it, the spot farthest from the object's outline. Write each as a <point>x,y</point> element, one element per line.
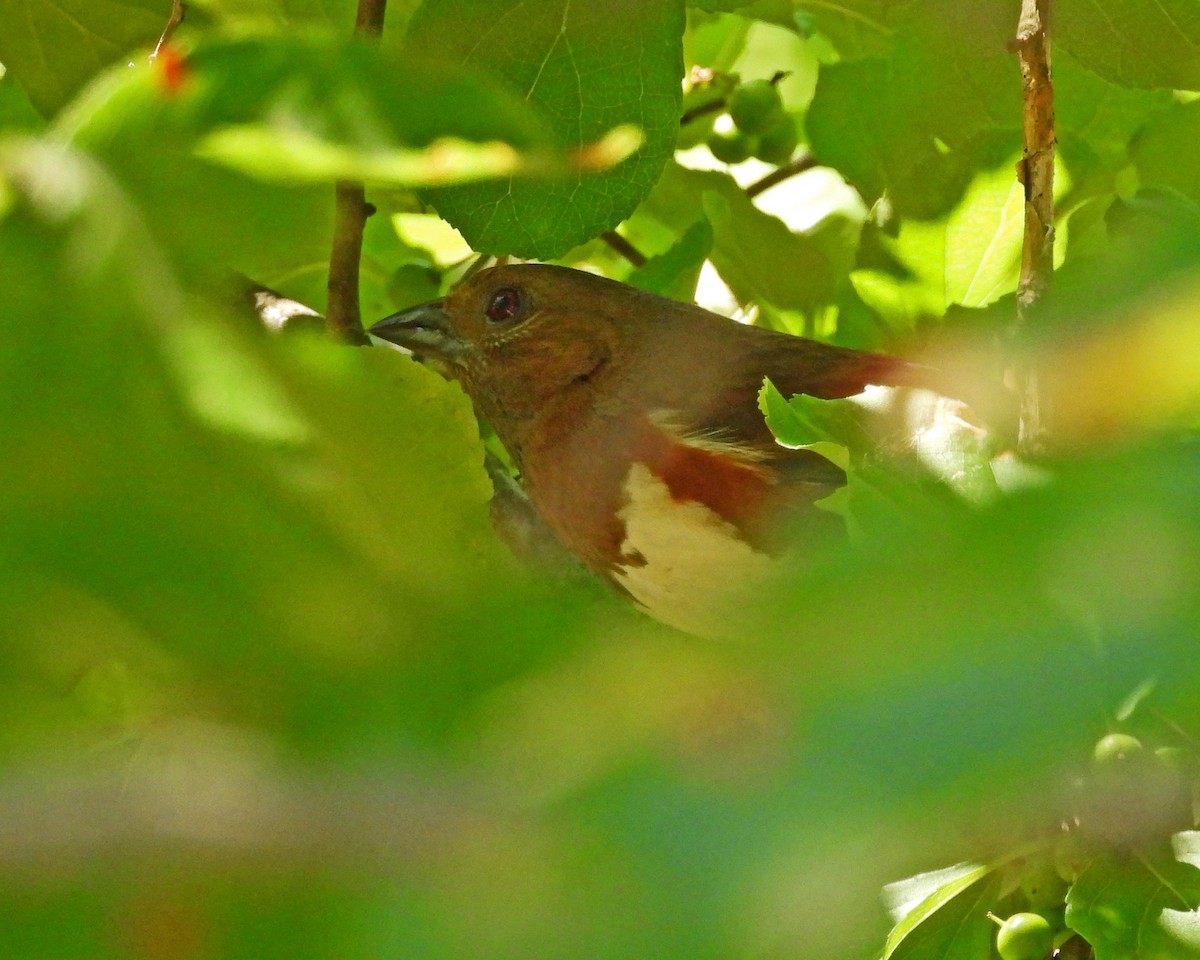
<point>504,305</point>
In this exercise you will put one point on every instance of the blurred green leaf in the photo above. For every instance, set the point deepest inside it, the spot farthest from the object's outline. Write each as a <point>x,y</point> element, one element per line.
<point>1136,43</point>
<point>1162,154</point>
<point>585,79</point>
<point>236,514</point>
<point>857,28</point>
<point>284,14</point>
<point>272,688</point>
<point>1098,122</point>
<point>54,48</point>
<point>16,112</point>
<point>356,109</point>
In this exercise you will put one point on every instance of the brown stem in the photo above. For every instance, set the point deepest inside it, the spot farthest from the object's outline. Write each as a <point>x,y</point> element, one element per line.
<point>623,247</point>
<point>713,106</point>
<point>797,165</point>
<point>174,19</point>
<point>1037,175</point>
<point>350,214</point>
<point>369,20</point>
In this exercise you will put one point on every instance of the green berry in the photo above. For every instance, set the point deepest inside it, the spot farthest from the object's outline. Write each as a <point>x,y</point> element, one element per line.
<point>1025,936</point>
<point>779,143</point>
<point>1071,856</point>
<point>1043,887</point>
<point>731,146</point>
<point>755,107</point>
<point>1116,748</point>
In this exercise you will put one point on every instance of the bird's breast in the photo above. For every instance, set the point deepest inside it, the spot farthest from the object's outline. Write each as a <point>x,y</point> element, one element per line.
<point>670,515</point>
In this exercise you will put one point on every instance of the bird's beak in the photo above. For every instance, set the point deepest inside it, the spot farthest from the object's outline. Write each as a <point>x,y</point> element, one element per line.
<point>425,330</point>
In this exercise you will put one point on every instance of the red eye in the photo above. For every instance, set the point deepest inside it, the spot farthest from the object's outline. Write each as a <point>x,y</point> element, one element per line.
<point>505,304</point>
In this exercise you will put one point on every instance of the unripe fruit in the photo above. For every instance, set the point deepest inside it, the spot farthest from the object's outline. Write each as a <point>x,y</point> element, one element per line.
<point>1116,748</point>
<point>779,143</point>
<point>731,146</point>
<point>1043,887</point>
<point>1071,856</point>
<point>755,107</point>
<point>1025,936</point>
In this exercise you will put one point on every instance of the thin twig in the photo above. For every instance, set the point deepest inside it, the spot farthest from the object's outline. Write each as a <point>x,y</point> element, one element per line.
<point>174,19</point>
<point>713,106</point>
<point>350,214</point>
<point>369,20</point>
<point>1037,176</point>
<point>796,165</point>
<point>623,247</point>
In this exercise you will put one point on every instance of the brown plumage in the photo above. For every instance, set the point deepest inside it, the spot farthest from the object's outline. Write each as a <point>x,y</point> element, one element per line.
<point>605,395</point>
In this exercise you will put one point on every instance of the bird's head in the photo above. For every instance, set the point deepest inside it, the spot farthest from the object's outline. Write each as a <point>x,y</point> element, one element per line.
<point>526,340</point>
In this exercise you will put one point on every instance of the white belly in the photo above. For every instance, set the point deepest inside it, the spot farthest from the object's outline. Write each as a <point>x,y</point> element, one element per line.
<point>698,572</point>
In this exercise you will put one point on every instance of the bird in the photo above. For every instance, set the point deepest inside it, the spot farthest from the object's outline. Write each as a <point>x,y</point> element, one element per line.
<point>633,422</point>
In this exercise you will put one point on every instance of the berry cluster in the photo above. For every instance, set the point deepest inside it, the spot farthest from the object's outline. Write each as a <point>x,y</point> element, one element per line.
<point>1128,781</point>
<point>754,124</point>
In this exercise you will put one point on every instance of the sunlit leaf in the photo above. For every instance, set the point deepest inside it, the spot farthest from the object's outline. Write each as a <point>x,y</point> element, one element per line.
<point>919,122</point>
<point>950,923</point>
<point>1143,907</point>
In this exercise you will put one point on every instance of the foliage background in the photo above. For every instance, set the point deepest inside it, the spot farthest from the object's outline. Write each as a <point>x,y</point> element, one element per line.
<point>273,688</point>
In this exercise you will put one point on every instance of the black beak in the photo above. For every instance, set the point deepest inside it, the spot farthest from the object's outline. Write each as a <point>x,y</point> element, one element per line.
<point>425,330</point>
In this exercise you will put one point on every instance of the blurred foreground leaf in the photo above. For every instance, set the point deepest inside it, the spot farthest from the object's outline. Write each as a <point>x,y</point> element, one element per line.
<point>54,48</point>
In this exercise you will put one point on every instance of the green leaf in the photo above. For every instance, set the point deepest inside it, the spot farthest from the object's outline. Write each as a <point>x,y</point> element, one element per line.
<point>16,112</point>
<point>971,256</point>
<point>315,109</point>
<point>216,488</point>
<point>585,78</point>
<point>902,897</point>
<point>803,421</point>
<point>285,14</point>
<point>1097,121</point>
<point>919,122</point>
<point>983,239</point>
<point>951,922</point>
<point>1143,907</point>
<point>325,106</point>
<point>1163,154</point>
<point>856,28</point>
<point>674,273</point>
<point>54,48</point>
<point>1135,43</point>
<point>757,254</point>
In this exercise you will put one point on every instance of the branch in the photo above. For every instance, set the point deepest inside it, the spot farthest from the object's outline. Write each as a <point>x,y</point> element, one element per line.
<point>797,165</point>
<point>174,19</point>
<point>1037,175</point>
<point>623,247</point>
<point>369,20</point>
<point>350,214</point>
